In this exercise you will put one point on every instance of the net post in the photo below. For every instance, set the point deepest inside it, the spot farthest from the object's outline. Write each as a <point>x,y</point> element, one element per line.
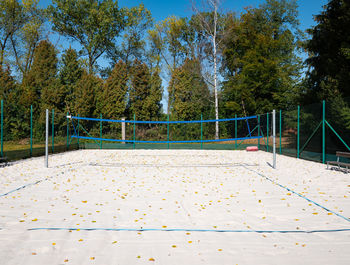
<point>78,131</point>
<point>298,132</point>
<point>167,132</point>
<point>47,140</point>
<point>267,132</point>
<point>259,132</point>
<point>53,130</point>
<point>31,130</point>
<point>323,131</point>
<point>101,131</point>
<point>134,131</point>
<point>236,131</point>
<point>274,137</point>
<point>67,132</point>
<point>280,132</point>
<point>123,130</point>
<point>201,131</point>
<point>2,128</point>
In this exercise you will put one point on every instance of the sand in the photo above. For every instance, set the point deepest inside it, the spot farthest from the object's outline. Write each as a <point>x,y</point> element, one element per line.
<point>105,203</point>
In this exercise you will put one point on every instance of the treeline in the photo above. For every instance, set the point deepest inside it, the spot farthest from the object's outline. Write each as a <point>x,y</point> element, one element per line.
<point>215,64</point>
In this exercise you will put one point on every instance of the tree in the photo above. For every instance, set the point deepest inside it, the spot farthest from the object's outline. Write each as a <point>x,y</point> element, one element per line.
<point>133,45</point>
<point>40,87</point>
<point>112,99</point>
<point>12,18</point>
<point>212,28</point>
<point>84,95</point>
<point>70,73</point>
<point>25,40</point>
<point>261,67</point>
<point>42,76</point>
<point>189,94</point>
<point>166,44</point>
<point>93,23</point>
<point>329,52</point>
<point>145,92</point>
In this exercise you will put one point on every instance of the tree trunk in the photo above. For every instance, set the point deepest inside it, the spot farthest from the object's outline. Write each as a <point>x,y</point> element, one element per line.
<point>215,77</point>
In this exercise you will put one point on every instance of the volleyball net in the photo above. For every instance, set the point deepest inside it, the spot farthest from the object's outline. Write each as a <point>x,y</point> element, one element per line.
<point>234,133</point>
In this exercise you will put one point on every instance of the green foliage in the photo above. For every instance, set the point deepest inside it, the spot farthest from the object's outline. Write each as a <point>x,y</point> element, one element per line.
<point>12,18</point>
<point>84,95</point>
<point>70,73</point>
<point>112,98</point>
<point>133,45</point>
<point>189,94</point>
<point>260,64</point>
<point>145,92</point>
<point>42,76</point>
<point>93,23</point>
<point>329,47</point>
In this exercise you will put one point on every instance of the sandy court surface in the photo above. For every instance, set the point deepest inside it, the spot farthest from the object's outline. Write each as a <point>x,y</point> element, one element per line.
<point>168,206</point>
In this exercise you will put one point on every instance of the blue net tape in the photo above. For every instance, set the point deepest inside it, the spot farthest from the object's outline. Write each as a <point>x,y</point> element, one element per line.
<point>164,142</point>
<point>163,122</point>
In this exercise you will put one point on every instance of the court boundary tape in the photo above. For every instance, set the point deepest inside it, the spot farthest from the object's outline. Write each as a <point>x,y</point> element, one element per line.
<point>28,185</point>
<point>296,193</point>
<point>188,230</point>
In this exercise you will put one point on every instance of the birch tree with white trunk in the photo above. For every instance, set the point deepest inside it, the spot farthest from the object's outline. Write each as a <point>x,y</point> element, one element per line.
<point>212,30</point>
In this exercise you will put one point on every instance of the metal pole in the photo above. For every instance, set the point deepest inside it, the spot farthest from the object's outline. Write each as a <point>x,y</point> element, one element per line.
<point>298,133</point>
<point>78,131</point>
<point>201,131</point>
<point>259,132</point>
<point>134,131</point>
<point>2,128</point>
<point>274,137</point>
<point>267,132</point>
<point>67,131</point>
<point>53,131</point>
<point>324,132</point>
<point>280,131</point>
<point>123,130</point>
<point>236,131</point>
<point>101,131</point>
<point>168,131</point>
<point>31,130</point>
<point>47,140</point>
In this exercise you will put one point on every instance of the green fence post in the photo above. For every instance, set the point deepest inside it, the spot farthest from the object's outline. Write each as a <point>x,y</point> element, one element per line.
<point>298,132</point>
<point>323,132</point>
<point>134,131</point>
<point>67,131</point>
<point>280,131</point>
<point>101,131</point>
<point>267,132</point>
<point>201,131</point>
<point>78,131</point>
<point>31,130</point>
<point>2,128</point>
<point>53,130</point>
<point>236,131</point>
<point>168,131</point>
<point>259,132</point>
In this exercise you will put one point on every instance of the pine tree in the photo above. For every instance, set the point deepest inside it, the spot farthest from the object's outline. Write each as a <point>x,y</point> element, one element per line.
<point>112,98</point>
<point>329,50</point>
<point>144,94</point>
<point>189,94</point>
<point>84,95</point>
<point>70,73</point>
<point>40,85</point>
